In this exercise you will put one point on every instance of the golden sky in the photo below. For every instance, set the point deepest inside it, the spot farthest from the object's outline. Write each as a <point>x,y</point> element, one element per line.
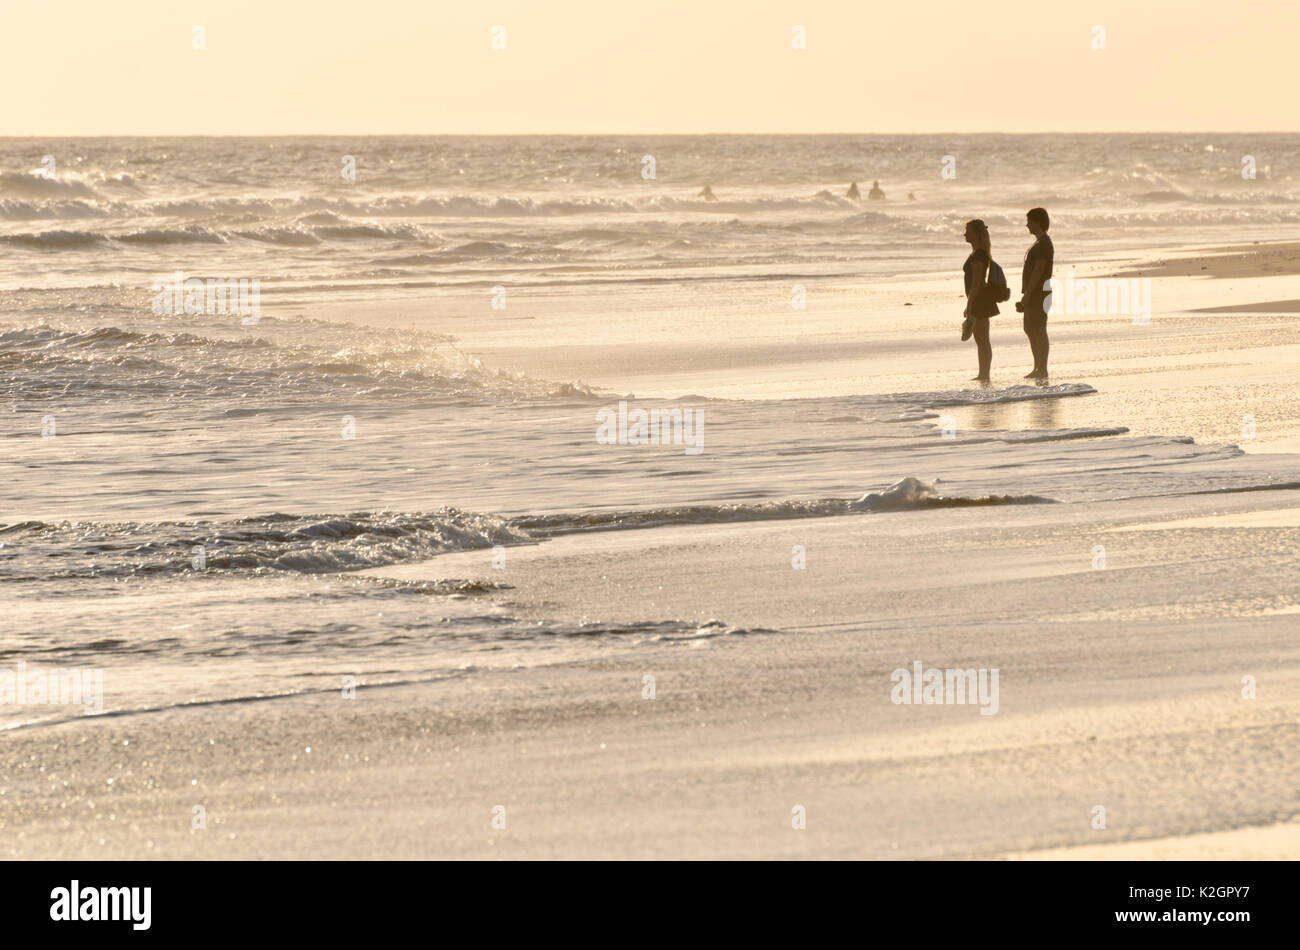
<point>104,67</point>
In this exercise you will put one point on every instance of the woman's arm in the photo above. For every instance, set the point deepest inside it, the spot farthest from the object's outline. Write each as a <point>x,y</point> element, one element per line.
<point>978,274</point>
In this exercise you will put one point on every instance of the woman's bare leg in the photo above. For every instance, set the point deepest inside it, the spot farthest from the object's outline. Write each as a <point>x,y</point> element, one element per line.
<point>984,348</point>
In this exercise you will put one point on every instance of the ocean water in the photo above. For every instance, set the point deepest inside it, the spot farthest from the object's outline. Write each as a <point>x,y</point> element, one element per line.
<point>189,498</point>
<point>475,211</point>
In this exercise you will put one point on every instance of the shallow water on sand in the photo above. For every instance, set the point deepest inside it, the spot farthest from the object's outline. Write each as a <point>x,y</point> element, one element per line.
<point>192,521</point>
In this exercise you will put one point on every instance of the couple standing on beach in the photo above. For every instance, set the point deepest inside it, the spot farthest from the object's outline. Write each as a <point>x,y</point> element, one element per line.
<point>986,285</point>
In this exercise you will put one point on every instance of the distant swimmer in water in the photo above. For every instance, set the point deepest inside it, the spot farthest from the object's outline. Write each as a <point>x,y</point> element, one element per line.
<point>853,192</point>
<point>707,194</point>
<point>875,194</point>
<point>911,197</point>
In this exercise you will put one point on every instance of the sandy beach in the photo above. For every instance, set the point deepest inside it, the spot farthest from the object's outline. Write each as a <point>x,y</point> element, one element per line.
<point>1136,707</point>
<point>688,690</point>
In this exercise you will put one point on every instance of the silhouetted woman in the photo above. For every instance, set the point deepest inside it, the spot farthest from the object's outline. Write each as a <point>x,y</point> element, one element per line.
<point>980,304</point>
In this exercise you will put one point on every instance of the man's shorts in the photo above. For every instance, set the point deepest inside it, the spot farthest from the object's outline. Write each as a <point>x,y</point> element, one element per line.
<point>1035,320</point>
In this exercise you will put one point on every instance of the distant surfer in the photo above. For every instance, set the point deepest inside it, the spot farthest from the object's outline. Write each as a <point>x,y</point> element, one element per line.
<point>853,194</point>
<point>707,194</point>
<point>875,194</point>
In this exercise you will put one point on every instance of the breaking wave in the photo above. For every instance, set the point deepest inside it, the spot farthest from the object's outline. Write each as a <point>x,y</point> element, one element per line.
<point>280,358</point>
<point>908,494</point>
<point>320,544</point>
<point>303,544</point>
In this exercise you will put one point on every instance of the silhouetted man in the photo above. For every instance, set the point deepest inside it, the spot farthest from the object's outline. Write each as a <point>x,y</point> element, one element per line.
<point>875,194</point>
<point>1038,270</point>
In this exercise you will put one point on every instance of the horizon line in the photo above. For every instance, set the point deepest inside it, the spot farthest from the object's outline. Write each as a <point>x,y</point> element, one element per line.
<point>282,135</point>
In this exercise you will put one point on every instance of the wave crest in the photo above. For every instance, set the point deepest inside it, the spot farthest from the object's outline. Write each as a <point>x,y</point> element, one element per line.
<point>909,493</point>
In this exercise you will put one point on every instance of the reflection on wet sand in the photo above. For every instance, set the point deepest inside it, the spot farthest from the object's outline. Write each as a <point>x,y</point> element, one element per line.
<point>1029,414</point>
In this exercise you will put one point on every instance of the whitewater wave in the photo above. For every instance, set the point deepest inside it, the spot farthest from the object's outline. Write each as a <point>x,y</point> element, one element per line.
<point>303,544</point>
<point>188,235</point>
<point>35,184</point>
<point>54,238</point>
<point>909,493</point>
<point>981,397</point>
<point>1060,435</point>
<point>266,363</point>
<point>28,197</point>
<point>292,234</point>
<point>37,188</point>
<point>17,209</point>
<point>319,544</point>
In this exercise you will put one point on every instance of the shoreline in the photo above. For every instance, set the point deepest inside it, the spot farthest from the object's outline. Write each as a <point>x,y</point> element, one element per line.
<point>1204,348</point>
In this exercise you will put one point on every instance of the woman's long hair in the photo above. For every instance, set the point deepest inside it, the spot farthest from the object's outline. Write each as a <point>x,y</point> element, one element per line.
<point>982,239</point>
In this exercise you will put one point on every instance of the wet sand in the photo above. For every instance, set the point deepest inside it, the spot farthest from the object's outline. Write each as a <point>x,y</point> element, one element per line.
<point>1120,686</point>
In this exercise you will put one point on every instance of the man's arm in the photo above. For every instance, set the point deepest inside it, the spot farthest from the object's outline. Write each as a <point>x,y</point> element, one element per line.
<point>1036,278</point>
